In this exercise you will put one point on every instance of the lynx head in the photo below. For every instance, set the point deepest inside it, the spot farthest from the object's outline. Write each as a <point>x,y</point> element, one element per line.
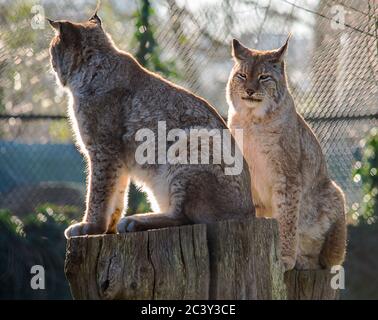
<point>258,78</point>
<point>75,44</point>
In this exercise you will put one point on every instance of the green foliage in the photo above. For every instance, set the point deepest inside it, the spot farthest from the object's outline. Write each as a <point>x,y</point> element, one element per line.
<point>35,240</point>
<point>366,174</point>
<point>11,224</point>
<point>60,131</point>
<point>137,201</point>
<point>17,16</point>
<point>148,53</point>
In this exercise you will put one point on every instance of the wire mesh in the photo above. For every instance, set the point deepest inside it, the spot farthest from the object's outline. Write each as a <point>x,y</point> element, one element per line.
<point>332,67</point>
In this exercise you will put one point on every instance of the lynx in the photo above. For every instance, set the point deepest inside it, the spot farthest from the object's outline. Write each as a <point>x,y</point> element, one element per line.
<point>112,98</point>
<point>289,178</point>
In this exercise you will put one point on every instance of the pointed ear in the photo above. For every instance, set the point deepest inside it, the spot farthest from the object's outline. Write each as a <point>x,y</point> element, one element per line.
<point>54,24</point>
<point>280,53</point>
<point>239,52</point>
<point>95,18</point>
<point>67,32</point>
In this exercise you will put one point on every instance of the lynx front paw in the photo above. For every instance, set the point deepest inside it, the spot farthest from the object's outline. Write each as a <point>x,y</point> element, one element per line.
<point>131,224</point>
<point>83,228</point>
<point>288,262</point>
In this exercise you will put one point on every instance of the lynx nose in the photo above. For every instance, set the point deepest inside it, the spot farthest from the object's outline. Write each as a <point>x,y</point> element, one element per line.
<point>250,92</point>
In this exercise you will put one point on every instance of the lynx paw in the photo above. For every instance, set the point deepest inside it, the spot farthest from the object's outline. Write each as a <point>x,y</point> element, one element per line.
<point>131,224</point>
<point>288,262</point>
<point>83,228</point>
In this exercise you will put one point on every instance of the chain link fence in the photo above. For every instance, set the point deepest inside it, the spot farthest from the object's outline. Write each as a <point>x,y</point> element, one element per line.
<point>332,67</point>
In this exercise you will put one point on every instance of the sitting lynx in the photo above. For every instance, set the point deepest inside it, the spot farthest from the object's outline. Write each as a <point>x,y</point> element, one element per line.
<point>289,176</point>
<point>113,97</point>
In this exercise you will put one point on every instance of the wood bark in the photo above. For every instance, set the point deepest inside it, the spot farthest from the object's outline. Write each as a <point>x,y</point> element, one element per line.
<point>225,260</point>
<point>310,285</point>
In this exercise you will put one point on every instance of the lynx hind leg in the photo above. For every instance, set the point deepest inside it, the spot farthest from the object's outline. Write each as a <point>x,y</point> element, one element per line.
<point>174,215</point>
<point>148,221</point>
<point>334,247</point>
<point>192,200</point>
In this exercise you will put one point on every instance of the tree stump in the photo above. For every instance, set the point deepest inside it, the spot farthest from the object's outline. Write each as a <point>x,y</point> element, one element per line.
<point>225,260</point>
<point>310,285</point>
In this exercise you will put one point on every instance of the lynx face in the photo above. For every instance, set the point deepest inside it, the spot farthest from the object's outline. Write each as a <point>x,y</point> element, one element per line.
<point>258,77</point>
<point>74,45</point>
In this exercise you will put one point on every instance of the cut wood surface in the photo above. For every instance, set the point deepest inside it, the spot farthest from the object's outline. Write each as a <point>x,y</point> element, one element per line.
<point>225,260</point>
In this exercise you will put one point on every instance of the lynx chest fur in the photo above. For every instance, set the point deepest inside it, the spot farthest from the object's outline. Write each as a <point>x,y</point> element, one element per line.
<point>257,144</point>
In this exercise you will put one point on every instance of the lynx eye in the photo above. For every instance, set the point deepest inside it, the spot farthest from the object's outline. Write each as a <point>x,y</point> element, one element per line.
<point>264,77</point>
<point>241,76</point>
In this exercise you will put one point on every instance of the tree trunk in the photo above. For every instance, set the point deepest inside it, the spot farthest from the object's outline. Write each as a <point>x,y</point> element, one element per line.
<point>310,285</point>
<point>226,260</point>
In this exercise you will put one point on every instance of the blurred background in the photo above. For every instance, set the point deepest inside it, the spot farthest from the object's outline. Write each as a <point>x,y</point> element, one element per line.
<point>333,71</point>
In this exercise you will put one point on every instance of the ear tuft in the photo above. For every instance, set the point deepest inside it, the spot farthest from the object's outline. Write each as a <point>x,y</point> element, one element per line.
<point>95,18</point>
